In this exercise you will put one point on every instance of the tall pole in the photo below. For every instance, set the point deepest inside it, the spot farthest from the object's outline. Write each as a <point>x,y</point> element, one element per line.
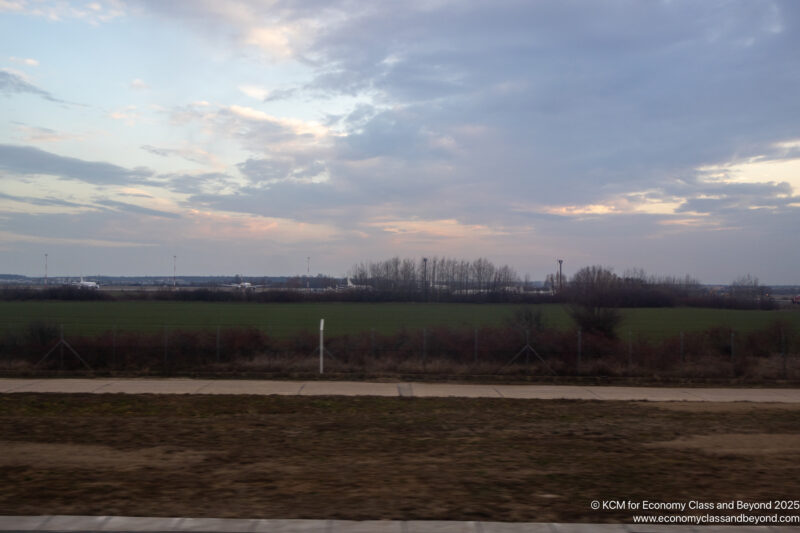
<point>321,346</point>
<point>560,275</point>
<point>425,276</point>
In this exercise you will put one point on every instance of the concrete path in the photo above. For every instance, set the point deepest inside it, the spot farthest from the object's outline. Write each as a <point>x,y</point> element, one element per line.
<point>417,390</point>
<point>131,524</point>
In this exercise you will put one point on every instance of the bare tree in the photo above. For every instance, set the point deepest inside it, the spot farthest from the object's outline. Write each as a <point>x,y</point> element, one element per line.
<point>592,292</point>
<point>747,289</point>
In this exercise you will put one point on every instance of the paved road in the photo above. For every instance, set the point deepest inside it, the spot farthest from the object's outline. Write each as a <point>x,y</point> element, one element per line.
<point>129,524</point>
<point>417,390</point>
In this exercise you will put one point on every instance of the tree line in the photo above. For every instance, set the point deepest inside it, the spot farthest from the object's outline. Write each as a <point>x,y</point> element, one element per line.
<point>436,276</point>
<point>443,279</point>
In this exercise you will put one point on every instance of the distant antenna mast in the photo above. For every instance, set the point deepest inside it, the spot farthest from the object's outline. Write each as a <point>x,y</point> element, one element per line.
<point>560,275</point>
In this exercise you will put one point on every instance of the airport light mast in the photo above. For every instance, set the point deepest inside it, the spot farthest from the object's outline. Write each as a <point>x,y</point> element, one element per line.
<point>560,276</point>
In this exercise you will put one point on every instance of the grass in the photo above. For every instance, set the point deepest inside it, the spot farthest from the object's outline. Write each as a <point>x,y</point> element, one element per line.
<point>282,319</point>
<point>276,318</point>
<point>660,323</point>
<point>385,458</point>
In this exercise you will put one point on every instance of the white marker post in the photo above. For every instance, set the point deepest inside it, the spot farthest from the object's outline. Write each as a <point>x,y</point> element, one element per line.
<point>321,346</point>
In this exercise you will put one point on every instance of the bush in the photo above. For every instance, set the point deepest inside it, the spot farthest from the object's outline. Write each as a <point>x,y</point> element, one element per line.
<point>598,320</point>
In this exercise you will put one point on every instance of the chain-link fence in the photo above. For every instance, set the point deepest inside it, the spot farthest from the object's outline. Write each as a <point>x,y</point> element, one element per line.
<point>769,353</point>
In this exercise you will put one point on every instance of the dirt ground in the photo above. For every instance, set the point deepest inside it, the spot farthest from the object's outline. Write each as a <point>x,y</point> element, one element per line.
<point>385,458</point>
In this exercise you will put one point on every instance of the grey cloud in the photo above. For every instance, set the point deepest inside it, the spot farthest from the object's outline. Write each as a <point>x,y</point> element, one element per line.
<point>306,202</point>
<point>263,170</point>
<point>187,154</point>
<point>112,204</point>
<point>163,152</point>
<point>197,183</point>
<point>11,83</point>
<point>135,209</point>
<point>479,106</point>
<point>630,89</point>
<point>136,194</point>
<point>280,94</point>
<point>725,198</point>
<point>274,170</point>
<point>255,133</point>
<point>390,133</point>
<point>30,160</point>
<point>42,201</point>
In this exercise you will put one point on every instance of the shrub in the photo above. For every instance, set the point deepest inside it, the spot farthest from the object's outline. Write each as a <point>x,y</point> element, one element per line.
<point>598,320</point>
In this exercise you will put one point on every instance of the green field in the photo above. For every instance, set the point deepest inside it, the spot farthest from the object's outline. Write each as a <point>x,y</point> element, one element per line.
<point>285,318</point>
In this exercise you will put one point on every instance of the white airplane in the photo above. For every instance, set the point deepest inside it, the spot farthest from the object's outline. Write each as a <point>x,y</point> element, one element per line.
<point>242,285</point>
<point>86,284</point>
<point>352,286</point>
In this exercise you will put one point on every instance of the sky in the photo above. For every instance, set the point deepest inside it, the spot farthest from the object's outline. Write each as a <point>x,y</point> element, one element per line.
<point>248,136</point>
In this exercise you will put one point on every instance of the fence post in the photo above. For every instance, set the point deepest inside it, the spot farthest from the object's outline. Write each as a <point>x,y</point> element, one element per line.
<point>166,358</point>
<point>476,345</point>
<point>424,344</point>
<point>783,352</point>
<point>114,347</point>
<point>580,347</point>
<point>527,350</point>
<point>630,349</point>
<point>321,346</point>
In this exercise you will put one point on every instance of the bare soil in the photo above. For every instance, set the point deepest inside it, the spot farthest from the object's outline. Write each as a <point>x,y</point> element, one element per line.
<point>385,458</point>
<point>758,444</point>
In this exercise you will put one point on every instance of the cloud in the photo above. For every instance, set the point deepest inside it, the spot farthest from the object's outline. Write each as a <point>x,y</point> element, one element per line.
<point>254,91</point>
<point>24,61</point>
<point>94,13</point>
<point>136,209</point>
<point>205,183</point>
<point>128,114</point>
<point>46,201</point>
<point>434,229</point>
<point>139,85</point>
<point>27,160</point>
<point>34,134</point>
<point>277,31</point>
<point>275,170</point>
<point>575,127</point>
<point>9,236</point>
<point>471,107</point>
<point>193,154</point>
<point>735,197</point>
<point>12,83</point>
<point>12,5</point>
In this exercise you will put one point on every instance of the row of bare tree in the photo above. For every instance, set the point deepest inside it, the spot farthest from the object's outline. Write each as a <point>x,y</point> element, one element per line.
<point>435,275</point>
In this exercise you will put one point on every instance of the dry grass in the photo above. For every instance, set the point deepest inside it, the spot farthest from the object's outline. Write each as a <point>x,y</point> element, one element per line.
<point>371,458</point>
